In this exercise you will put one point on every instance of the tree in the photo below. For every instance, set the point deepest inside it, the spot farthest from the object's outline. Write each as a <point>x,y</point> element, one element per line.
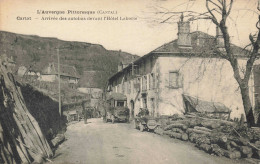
<point>218,11</point>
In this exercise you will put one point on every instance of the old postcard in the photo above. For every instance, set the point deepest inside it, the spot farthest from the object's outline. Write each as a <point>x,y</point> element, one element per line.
<point>129,81</point>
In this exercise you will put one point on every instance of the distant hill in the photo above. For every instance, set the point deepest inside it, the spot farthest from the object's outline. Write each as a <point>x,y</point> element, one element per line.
<point>31,50</point>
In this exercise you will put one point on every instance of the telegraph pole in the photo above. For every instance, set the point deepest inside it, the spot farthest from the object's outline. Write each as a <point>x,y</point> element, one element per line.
<point>58,54</point>
<point>132,65</point>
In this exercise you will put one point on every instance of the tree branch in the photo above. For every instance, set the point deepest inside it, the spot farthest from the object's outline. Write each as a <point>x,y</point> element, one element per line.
<point>198,18</point>
<point>221,1</point>
<point>214,19</point>
<point>215,4</point>
<point>230,7</point>
<point>254,54</point>
<point>244,49</point>
<point>165,20</point>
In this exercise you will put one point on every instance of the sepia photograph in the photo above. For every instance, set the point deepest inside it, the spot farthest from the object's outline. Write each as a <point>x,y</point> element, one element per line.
<point>130,81</point>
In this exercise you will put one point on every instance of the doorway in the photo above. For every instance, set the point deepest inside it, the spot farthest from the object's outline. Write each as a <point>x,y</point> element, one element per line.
<point>132,106</point>
<point>152,107</point>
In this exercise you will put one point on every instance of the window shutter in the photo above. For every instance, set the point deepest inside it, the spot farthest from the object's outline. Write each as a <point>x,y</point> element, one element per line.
<point>156,81</point>
<point>180,81</point>
<point>141,82</point>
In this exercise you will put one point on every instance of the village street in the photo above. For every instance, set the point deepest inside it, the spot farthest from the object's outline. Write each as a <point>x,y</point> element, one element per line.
<point>101,143</point>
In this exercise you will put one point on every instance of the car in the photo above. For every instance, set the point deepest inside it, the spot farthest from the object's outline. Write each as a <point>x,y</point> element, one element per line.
<point>87,113</point>
<point>145,122</point>
<point>116,110</point>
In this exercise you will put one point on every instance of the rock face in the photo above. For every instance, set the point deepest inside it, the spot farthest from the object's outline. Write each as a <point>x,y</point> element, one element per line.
<point>38,51</point>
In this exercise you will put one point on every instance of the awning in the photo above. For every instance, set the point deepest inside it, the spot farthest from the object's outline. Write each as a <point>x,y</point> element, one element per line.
<point>196,105</point>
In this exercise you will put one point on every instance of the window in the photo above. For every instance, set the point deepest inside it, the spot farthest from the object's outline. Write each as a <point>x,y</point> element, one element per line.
<point>152,106</point>
<point>137,84</point>
<point>120,103</point>
<point>144,83</point>
<point>175,80</point>
<point>151,81</point>
<point>144,102</point>
<point>154,78</point>
<point>137,70</point>
<point>129,87</point>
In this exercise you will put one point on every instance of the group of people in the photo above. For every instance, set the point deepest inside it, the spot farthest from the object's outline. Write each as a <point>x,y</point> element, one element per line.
<point>90,112</point>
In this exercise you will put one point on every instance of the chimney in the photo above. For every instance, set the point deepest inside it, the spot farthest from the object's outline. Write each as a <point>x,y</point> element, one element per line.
<point>184,37</point>
<point>220,38</point>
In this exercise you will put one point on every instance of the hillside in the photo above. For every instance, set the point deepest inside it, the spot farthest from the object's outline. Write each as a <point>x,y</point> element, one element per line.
<point>30,50</point>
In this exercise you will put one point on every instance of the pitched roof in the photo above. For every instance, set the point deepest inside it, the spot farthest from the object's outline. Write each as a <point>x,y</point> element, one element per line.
<point>202,44</point>
<point>91,79</point>
<point>65,70</point>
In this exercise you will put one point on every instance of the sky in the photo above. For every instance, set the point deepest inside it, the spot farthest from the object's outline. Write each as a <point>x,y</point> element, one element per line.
<point>138,36</point>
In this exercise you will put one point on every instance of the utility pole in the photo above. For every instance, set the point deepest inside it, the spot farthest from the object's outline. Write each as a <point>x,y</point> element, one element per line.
<point>132,65</point>
<point>58,54</point>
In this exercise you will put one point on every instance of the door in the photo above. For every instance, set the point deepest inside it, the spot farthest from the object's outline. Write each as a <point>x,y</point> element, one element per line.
<point>132,105</point>
<point>152,107</point>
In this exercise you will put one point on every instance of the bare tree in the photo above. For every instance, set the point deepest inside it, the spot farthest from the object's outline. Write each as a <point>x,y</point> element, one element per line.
<point>224,7</point>
<point>218,11</point>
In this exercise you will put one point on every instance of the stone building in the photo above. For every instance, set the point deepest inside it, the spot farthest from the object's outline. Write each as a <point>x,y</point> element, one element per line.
<point>68,73</point>
<point>188,65</point>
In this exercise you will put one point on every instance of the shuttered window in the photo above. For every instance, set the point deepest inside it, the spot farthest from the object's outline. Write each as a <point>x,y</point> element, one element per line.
<point>152,81</point>
<point>144,83</point>
<point>175,80</point>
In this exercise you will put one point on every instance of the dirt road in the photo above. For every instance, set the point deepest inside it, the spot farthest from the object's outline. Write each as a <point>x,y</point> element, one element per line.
<point>106,143</point>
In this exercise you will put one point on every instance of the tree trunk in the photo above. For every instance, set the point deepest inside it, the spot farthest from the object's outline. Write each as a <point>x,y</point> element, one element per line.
<point>247,104</point>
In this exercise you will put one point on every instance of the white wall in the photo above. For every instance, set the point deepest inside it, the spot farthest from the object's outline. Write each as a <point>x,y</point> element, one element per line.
<point>49,78</point>
<point>21,71</point>
<point>209,79</point>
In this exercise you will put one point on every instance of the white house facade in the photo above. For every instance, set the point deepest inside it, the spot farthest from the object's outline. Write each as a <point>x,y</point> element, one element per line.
<point>189,66</point>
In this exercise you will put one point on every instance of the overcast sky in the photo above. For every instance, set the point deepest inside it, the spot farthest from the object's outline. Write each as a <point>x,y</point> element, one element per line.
<point>137,36</point>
